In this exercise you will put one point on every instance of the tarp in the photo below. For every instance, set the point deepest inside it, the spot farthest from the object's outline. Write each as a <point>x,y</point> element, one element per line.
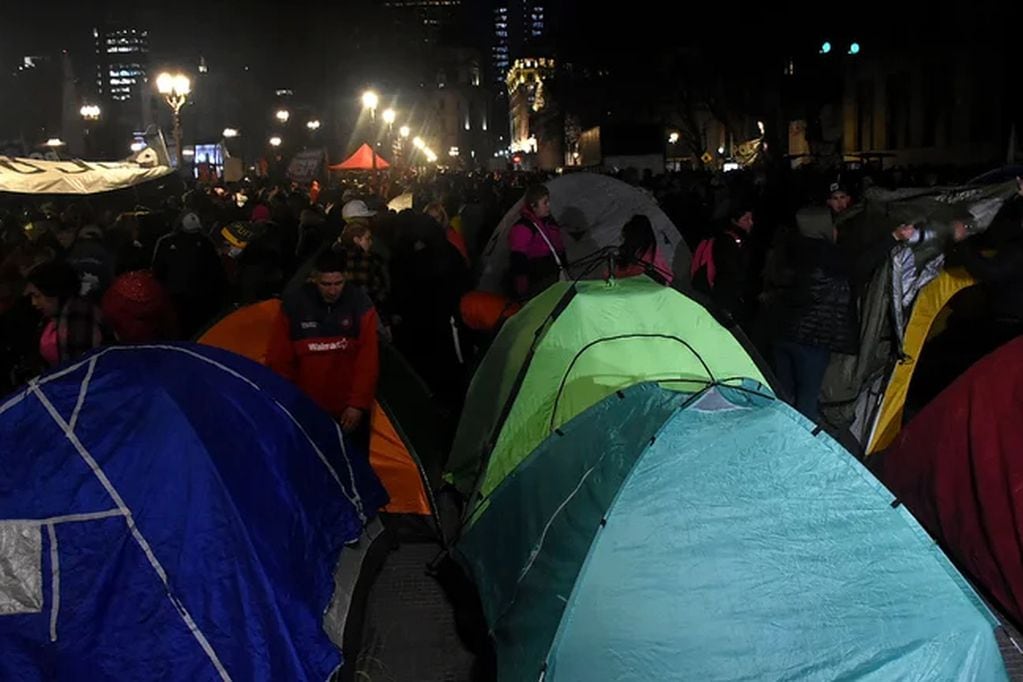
<point>568,349</point>
<point>847,399</point>
<point>400,202</point>
<point>33,176</point>
<point>173,512</point>
<point>591,210</point>
<point>362,159</point>
<point>406,448</point>
<point>957,467</point>
<point>931,301</point>
<point>717,536</point>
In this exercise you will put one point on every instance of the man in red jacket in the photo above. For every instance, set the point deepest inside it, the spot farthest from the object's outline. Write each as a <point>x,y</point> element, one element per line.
<point>325,341</point>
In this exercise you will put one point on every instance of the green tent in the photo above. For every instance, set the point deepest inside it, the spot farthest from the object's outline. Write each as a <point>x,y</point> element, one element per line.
<point>571,347</point>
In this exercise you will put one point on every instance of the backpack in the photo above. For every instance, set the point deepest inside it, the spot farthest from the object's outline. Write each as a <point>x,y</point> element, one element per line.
<point>703,258</point>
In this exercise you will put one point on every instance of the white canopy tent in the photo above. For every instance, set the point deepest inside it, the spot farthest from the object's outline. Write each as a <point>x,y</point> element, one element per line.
<point>591,210</point>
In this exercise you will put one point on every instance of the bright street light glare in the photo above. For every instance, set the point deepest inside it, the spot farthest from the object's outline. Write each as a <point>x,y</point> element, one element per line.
<point>230,132</point>
<point>389,116</point>
<point>275,141</point>
<point>283,115</point>
<point>404,131</point>
<point>370,99</point>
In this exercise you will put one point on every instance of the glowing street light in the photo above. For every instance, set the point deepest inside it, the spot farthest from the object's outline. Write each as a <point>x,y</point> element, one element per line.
<point>175,88</point>
<point>418,143</point>
<point>404,131</point>
<point>229,133</point>
<point>283,115</point>
<point>55,142</point>
<point>389,116</point>
<point>854,48</point>
<point>276,141</point>
<point>826,47</point>
<point>90,112</point>
<point>370,100</point>
<point>313,125</point>
<point>673,138</point>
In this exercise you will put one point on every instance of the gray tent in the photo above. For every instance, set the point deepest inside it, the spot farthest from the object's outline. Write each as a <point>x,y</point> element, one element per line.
<point>591,210</point>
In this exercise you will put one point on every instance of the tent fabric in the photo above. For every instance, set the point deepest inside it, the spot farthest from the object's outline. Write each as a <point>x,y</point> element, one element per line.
<point>850,378</point>
<point>591,210</point>
<point>245,331</point>
<point>35,176</point>
<point>406,448</point>
<point>929,304</point>
<point>956,466</point>
<point>161,486</point>
<point>572,346</point>
<point>713,536</point>
<point>363,159</point>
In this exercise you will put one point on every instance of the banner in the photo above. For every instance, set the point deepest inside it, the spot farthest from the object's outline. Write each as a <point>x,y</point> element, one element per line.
<point>305,166</point>
<point>36,176</point>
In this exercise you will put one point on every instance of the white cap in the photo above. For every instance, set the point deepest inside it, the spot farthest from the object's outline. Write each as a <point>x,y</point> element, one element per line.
<point>356,209</point>
<point>190,222</point>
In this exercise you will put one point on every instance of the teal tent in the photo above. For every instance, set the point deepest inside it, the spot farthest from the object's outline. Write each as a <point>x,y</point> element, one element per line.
<point>713,535</point>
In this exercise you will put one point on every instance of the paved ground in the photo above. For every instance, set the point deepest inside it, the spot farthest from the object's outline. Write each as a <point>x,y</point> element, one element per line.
<point>1011,644</point>
<point>410,634</point>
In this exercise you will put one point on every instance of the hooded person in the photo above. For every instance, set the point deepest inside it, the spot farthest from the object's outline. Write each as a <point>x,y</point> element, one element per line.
<point>187,265</point>
<point>819,312</point>
<point>92,260</point>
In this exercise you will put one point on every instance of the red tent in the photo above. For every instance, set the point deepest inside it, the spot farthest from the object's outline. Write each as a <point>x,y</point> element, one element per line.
<point>361,160</point>
<point>958,467</point>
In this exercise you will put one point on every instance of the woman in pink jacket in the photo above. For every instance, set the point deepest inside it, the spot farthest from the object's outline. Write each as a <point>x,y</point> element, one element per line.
<point>538,257</point>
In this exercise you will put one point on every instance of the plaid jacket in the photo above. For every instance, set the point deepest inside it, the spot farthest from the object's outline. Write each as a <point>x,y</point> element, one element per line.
<point>367,271</point>
<point>79,329</point>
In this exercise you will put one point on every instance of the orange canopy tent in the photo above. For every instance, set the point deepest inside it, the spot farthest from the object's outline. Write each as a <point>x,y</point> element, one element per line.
<point>362,160</point>
<point>393,455</point>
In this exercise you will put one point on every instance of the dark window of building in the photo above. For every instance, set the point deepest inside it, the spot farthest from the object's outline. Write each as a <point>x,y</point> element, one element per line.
<point>897,111</point>
<point>865,116</point>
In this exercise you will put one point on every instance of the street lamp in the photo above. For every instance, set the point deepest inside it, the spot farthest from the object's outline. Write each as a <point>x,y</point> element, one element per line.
<point>370,100</point>
<point>283,115</point>
<point>404,131</point>
<point>90,112</point>
<point>229,133</point>
<point>673,138</point>
<point>389,116</point>
<point>276,141</point>
<point>313,125</point>
<point>418,143</point>
<point>175,89</point>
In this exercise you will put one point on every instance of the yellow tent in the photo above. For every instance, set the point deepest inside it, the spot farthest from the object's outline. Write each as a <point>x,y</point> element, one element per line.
<point>930,312</point>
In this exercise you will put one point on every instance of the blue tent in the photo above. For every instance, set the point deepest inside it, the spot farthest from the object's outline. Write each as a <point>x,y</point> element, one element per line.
<point>173,513</point>
<point>713,536</point>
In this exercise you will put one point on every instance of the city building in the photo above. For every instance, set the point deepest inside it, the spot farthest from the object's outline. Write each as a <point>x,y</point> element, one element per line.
<point>537,126</point>
<point>122,62</point>
<point>434,16</point>
<point>517,25</point>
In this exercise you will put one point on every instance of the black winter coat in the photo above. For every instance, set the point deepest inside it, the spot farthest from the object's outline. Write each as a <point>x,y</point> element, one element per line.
<point>820,310</point>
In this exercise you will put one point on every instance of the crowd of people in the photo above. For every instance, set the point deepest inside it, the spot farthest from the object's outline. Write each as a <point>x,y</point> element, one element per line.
<point>353,273</point>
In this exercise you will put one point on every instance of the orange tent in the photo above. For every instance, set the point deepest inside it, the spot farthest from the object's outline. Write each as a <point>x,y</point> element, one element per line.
<point>397,462</point>
<point>362,160</point>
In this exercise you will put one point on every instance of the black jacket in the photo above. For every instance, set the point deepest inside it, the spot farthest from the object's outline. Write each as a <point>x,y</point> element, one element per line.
<point>732,263</point>
<point>820,309</point>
